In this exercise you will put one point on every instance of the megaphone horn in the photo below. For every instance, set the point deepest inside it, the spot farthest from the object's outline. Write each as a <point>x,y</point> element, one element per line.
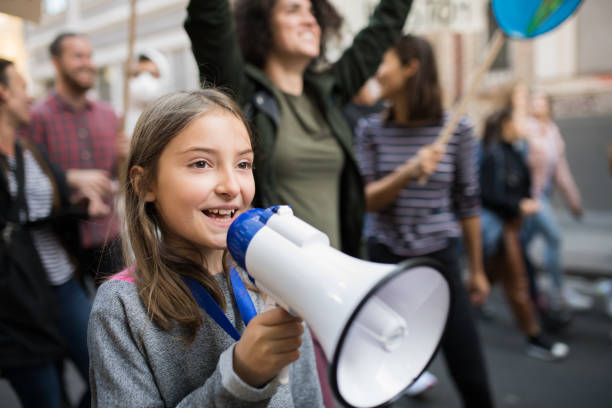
<point>378,324</point>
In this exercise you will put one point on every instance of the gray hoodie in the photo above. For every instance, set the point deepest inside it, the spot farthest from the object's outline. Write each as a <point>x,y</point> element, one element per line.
<point>134,363</point>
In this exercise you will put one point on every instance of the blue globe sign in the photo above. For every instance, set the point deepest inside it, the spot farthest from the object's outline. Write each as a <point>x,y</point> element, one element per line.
<point>530,18</point>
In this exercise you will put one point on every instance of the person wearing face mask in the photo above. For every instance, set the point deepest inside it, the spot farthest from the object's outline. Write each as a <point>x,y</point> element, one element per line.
<point>150,81</point>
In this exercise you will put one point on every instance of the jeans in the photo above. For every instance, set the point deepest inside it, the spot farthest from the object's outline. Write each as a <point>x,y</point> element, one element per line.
<point>507,265</point>
<point>460,343</point>
<point>40,386</point>
<point>492,226</point>
<point>544,222</point>
<point>36,386</point>
<point>74,308</point>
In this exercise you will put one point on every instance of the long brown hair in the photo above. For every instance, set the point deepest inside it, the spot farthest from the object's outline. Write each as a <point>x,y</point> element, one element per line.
<point>423,88</point>
<point>160,264</point>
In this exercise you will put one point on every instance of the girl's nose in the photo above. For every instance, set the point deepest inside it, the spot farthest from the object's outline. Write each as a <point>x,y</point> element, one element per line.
<point>227,184</point>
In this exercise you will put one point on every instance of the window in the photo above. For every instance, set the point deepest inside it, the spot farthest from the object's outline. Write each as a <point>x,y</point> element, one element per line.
<point>53,7</point>
<point>502,61</point>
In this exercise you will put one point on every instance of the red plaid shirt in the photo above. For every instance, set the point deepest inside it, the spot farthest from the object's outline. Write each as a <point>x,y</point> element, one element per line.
<point>79,139</point>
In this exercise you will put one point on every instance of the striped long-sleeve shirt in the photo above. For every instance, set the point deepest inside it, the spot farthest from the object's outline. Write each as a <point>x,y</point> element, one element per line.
<point>39,199</point>
<point>423,217</point>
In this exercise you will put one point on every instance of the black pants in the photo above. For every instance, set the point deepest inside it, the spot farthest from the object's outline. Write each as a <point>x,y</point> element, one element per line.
<point>101,262</point>
<point>460,343</point>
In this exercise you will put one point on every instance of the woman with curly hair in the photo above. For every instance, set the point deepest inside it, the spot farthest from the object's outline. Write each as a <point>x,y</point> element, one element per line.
<point>268,56</point>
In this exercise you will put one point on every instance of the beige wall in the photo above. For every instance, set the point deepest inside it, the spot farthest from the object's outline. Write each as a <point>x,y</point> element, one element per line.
<point>12,45</point>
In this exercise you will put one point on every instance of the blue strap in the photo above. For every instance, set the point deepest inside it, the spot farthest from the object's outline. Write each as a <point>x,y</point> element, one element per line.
<point>242,297</point>
<point>206,302</point>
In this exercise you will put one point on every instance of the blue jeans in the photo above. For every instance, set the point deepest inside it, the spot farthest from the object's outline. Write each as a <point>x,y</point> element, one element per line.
<point>36,386</point>
<point>492,227</point>
<point>545,223</point>
<point>74,308</point>
<point>40,386</point>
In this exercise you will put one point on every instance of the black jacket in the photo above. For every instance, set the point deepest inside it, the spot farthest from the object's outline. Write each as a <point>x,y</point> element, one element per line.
<point>28,317</point>
<point>504,179</point>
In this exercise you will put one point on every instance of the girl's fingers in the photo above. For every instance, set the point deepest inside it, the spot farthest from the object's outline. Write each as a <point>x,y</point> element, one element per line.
<point>283,346</point>
<point>281,331</point>
<point>275,317</point>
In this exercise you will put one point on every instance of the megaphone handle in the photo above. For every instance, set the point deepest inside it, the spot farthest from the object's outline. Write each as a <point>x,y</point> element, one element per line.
<point>283,375</point>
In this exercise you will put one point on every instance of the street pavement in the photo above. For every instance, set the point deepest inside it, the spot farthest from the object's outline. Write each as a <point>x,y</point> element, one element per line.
<point>584,379</point>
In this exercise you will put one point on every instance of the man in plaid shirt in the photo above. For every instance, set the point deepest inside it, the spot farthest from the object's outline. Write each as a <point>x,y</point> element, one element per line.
<point>81,136</point>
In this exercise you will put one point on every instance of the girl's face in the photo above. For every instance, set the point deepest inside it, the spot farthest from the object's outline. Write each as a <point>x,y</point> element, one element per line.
<point>15,96</point>
<point>392,75</point>
<point>539,106</point>
<point>205,179</point>
<point>509,131</point>
<point>295,31</point>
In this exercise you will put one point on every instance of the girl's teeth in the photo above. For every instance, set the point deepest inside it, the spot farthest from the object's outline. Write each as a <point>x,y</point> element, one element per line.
<point>221,212</point>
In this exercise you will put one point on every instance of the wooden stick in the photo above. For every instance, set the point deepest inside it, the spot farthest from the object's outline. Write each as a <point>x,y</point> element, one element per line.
<point>495,45</point>
<point>128,62</point>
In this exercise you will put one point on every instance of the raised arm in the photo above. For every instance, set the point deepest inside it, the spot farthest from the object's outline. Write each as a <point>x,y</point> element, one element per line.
<point>360,61</point>
<point>214,42</point>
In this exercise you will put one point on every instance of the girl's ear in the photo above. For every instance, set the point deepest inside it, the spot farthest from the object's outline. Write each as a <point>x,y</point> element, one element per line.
<point>136,177</point>
<point>409,70</point>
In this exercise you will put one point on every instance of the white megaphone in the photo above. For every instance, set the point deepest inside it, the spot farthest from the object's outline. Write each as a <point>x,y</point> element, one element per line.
<point>379,324</point>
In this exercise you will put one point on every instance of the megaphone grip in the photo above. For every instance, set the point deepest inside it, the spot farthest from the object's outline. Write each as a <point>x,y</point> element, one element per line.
<point>283,375</point>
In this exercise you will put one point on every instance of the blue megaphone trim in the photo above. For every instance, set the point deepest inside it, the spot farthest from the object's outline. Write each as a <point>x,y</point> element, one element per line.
<point>243,229</point>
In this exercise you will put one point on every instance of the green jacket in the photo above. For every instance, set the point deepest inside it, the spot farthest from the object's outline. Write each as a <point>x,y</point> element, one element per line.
<point>214,40</point>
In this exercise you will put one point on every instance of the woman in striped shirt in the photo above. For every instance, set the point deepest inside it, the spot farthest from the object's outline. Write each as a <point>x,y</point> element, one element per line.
<point>43,309</point>
<point>409,218</point>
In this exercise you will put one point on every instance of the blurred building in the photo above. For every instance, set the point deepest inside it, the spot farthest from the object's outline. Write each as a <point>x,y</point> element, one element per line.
<point>572,62</point>
<point>12,45</point>
<point>159,25</point>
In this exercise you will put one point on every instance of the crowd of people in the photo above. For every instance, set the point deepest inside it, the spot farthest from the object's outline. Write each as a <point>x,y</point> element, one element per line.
<point>113,231</point>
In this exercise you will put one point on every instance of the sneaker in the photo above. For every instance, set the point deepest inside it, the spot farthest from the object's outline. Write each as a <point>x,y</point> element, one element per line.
<point>424,382</point>
<point>541,348</point>
<point>576,300</point>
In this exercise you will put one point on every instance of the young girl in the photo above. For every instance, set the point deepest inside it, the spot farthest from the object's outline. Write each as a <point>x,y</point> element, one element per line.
<point>189,175</point>
<point>505,184</point>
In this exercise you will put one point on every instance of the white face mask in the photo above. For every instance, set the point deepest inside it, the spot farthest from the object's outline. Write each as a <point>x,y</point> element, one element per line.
<point>144,89</point>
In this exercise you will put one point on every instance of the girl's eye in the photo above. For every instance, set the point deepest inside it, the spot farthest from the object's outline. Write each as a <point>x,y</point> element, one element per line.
<point>200,164</point>
<point>245,165</point>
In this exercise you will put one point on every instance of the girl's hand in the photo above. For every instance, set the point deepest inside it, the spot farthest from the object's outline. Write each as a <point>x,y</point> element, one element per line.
<point>428,158</point>
<point>529,206</point>
<point>269,343</point>
<point>478,287</point>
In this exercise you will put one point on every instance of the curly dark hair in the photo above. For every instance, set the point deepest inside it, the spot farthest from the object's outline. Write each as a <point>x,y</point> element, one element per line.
<point>255,34</point>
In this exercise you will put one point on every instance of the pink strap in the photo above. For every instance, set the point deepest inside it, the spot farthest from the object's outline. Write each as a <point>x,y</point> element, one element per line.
<point>125,275</point>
